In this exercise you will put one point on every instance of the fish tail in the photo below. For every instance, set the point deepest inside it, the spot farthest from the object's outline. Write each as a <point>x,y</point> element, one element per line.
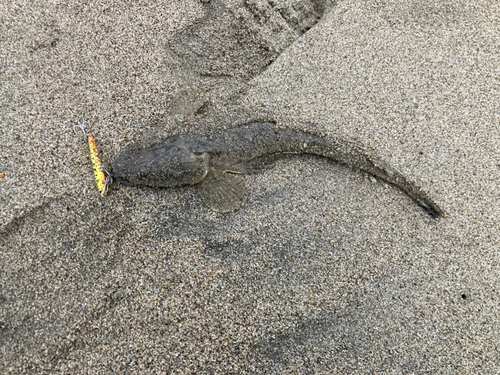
<point>381,169</point>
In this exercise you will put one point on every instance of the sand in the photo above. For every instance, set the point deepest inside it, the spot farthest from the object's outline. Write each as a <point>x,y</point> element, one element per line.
<point>325,269</point>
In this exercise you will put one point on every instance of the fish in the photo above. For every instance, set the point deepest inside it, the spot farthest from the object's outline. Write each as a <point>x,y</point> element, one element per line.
<point>216,163</point>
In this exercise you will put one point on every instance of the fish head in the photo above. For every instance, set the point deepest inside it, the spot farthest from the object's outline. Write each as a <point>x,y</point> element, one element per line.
<point>185,168</point>
<point>163,166</point>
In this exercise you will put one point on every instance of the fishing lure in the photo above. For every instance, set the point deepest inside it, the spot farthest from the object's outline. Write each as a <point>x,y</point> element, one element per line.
<point>102,177</point>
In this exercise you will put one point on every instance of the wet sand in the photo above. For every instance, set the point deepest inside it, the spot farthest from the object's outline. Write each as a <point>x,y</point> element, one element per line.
<point>325,269</point>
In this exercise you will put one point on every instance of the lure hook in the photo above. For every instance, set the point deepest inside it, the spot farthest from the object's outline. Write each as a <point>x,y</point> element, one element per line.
<point>81,126</point>
<point>108,181</point>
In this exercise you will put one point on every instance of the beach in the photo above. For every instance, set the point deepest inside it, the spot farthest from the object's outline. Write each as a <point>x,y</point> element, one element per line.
<point>325,269</point>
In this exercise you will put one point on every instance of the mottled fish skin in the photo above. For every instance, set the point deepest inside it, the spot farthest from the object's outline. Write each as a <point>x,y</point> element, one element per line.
<point>216,163</point>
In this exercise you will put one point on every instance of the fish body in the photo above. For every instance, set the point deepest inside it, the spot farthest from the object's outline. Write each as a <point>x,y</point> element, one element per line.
<point>216,163</point>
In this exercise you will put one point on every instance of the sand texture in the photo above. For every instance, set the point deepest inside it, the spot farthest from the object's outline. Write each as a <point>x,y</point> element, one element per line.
<point>325,269</point>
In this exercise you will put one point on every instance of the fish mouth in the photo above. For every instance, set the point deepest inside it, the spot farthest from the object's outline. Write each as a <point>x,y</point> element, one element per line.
<point>119,180</point>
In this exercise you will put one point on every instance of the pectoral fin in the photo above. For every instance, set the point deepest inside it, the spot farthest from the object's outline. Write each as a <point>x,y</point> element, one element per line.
<point>223,192</point>
<point>256,165</point>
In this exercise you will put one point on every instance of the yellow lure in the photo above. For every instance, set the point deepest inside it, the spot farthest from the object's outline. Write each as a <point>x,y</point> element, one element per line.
<point>100,177</point>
